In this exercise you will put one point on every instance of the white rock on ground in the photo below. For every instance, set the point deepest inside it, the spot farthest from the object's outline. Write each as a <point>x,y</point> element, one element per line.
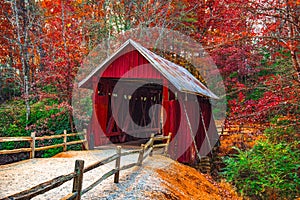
<point>133,183</point>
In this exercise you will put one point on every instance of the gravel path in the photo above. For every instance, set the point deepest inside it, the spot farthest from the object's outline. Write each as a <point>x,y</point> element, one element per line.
<point>134,182</point>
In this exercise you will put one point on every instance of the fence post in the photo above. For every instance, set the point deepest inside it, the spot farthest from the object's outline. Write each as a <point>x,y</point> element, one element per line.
<point>141,155</point>
<point>86,143</point>
<point>32,145</point>
<point>118,162</point>
<point>77,181</point>
<point>167,144</point>
<point>222,129</point>
<point>151,144</point>
<point>92,141</point>
<point>65,140</point>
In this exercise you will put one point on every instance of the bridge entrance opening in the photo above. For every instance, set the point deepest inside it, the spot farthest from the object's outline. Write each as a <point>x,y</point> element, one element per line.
<point>129,110</point>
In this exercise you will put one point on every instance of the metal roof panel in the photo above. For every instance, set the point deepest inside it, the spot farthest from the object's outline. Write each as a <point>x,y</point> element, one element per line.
<point>178,76</point>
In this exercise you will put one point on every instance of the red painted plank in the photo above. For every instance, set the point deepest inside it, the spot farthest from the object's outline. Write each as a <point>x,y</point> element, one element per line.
<point>128,61</point>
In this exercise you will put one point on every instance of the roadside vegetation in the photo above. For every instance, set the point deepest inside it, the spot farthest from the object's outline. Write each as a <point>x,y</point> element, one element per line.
<point>254,44</point>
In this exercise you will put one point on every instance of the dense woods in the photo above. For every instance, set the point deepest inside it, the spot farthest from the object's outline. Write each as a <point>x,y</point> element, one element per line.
<point>254,43</point>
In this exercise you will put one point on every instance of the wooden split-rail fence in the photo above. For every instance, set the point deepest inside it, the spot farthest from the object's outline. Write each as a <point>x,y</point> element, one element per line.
<point>77,176</point>
<point>234,129</point>
<point>32,140</point>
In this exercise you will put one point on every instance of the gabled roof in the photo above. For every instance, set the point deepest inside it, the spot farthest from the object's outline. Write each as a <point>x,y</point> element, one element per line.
<point>178,76</point>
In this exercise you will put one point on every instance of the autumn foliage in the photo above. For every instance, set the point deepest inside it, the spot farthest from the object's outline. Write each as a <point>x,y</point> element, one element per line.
<point>47,41</point>
<point>254,44</point>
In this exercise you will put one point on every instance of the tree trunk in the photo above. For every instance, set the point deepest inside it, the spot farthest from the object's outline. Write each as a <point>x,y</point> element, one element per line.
<point>23,54</point>
<point>291,35</point>
<point>296,64</point>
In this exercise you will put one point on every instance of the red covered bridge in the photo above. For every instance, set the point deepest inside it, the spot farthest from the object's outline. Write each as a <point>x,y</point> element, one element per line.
<point>130,84</point>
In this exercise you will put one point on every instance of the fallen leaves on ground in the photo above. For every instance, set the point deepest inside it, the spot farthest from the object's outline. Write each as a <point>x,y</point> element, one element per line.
<point>183,182</point>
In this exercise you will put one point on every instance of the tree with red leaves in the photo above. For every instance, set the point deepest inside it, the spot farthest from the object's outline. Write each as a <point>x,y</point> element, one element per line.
<point>247,39</point>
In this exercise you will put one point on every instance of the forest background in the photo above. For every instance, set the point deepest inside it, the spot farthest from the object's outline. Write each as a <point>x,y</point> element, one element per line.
<point>254,44</point>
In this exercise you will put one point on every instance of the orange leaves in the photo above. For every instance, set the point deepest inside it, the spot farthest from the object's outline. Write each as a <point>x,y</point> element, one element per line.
<point>64,45</point>
<point>51,6</point>
<point>182,182</point>
<point>244,137</point>
<point>274,26</point>
<point>292,45</point>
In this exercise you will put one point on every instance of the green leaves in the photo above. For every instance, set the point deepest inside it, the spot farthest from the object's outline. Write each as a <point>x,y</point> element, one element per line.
<point>48,117</point>
<point>285,131</point>
<point>267,171</point>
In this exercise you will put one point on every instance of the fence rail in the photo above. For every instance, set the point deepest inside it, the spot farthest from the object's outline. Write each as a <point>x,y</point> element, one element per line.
<point>79,171</point>
<point>232,129</point>
<point>32,140</point>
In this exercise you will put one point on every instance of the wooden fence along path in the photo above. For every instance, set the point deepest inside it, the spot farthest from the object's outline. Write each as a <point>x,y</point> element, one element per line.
<point>233,129</point>
<point>32,140</point>
<point>77,176</point>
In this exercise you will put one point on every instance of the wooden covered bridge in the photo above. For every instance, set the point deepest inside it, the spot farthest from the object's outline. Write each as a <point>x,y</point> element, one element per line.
<point>186,112</point>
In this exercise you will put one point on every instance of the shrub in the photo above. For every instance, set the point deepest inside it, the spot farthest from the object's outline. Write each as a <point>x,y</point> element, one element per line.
<point>48,117</point>
<point>268,171</point>
<point>283,129</point>
<point>282,134</point>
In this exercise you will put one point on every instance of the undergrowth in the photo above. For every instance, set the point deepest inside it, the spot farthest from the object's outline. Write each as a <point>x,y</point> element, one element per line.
<point>270,170</point>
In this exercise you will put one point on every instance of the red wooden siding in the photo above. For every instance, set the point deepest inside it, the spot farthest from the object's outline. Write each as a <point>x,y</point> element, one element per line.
<point>134,62</point>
